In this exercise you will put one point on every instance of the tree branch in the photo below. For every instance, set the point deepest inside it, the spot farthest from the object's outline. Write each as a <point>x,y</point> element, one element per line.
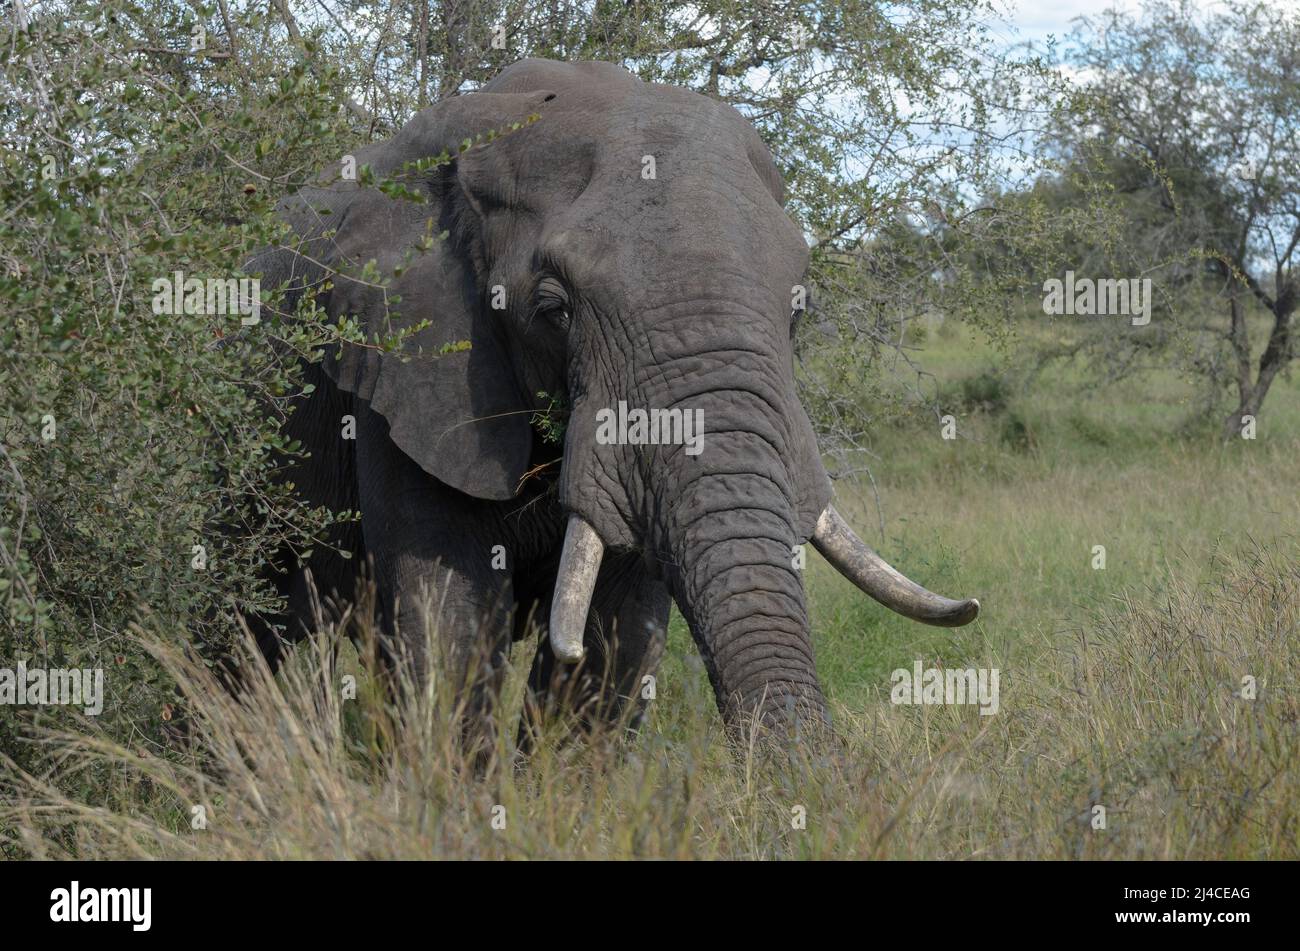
<point>359,112</point>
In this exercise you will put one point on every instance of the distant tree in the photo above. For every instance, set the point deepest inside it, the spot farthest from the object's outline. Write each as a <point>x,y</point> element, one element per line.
<point>1197,135</point>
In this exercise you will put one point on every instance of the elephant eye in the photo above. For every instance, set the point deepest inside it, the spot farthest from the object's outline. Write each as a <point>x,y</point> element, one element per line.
<point>551,294</point>
<point>552,299</point>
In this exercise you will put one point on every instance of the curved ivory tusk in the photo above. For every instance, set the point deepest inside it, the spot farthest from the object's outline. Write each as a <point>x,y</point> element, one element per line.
<point>579,565</point>
<point>856,561</point>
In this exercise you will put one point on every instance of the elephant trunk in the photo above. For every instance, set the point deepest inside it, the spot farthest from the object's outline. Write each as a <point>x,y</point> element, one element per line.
<point>731,538</point>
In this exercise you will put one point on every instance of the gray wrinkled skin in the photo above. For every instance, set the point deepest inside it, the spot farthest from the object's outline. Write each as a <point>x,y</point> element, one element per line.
<point>670,292</point>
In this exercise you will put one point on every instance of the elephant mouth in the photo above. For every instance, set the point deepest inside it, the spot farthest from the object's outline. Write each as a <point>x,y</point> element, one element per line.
<point>834,538</point>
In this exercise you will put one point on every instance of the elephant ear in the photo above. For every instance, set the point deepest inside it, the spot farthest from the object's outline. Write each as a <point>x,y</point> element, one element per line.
<point>450,394</point>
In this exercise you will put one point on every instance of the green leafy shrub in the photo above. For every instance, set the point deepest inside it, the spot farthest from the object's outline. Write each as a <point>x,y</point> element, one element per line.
<point>1016,433</point>
<point>138,448</point>
<point>987,391</point>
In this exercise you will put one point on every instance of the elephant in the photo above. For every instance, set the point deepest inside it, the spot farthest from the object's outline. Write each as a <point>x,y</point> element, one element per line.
<point>620,250</point>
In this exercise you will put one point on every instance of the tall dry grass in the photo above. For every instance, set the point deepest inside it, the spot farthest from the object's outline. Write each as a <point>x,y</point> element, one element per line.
<point>1138,709</point>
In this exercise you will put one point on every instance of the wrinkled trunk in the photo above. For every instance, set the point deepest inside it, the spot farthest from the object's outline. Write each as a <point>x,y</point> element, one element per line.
<point>730,531</point>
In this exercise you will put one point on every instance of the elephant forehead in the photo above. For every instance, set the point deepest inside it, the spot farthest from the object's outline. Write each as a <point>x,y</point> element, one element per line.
<point>600,115</point>
<point>701,228</point>
<point>608,98</point>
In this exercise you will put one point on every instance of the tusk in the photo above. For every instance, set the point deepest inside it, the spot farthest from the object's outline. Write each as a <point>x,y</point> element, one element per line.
<point>579,565</point>
<point>856,561</point>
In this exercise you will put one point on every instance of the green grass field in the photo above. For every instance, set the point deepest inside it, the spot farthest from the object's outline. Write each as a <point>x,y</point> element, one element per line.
<point>986,515</point>
<point>1121,688</point>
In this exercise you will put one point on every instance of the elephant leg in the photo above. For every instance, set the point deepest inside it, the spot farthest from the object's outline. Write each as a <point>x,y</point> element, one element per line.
<point>442,604</point>
<point>625,636</point>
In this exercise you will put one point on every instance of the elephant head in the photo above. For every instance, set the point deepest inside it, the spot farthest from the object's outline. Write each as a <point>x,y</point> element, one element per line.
<point>623,243</point>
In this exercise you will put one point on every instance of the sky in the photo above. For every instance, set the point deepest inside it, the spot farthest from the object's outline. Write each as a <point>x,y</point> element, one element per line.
<point>1036,19</point>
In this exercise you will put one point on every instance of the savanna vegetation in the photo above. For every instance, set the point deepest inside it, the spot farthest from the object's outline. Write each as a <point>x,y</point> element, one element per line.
<point>1137,558</point>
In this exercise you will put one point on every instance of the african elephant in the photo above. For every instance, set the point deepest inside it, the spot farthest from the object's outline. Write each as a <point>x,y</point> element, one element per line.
<point>621,246</point>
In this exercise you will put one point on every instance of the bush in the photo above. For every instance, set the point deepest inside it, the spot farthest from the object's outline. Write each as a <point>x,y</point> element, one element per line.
<point>987,391</point>
<point>1016,433</point>
<point>137,458</point>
